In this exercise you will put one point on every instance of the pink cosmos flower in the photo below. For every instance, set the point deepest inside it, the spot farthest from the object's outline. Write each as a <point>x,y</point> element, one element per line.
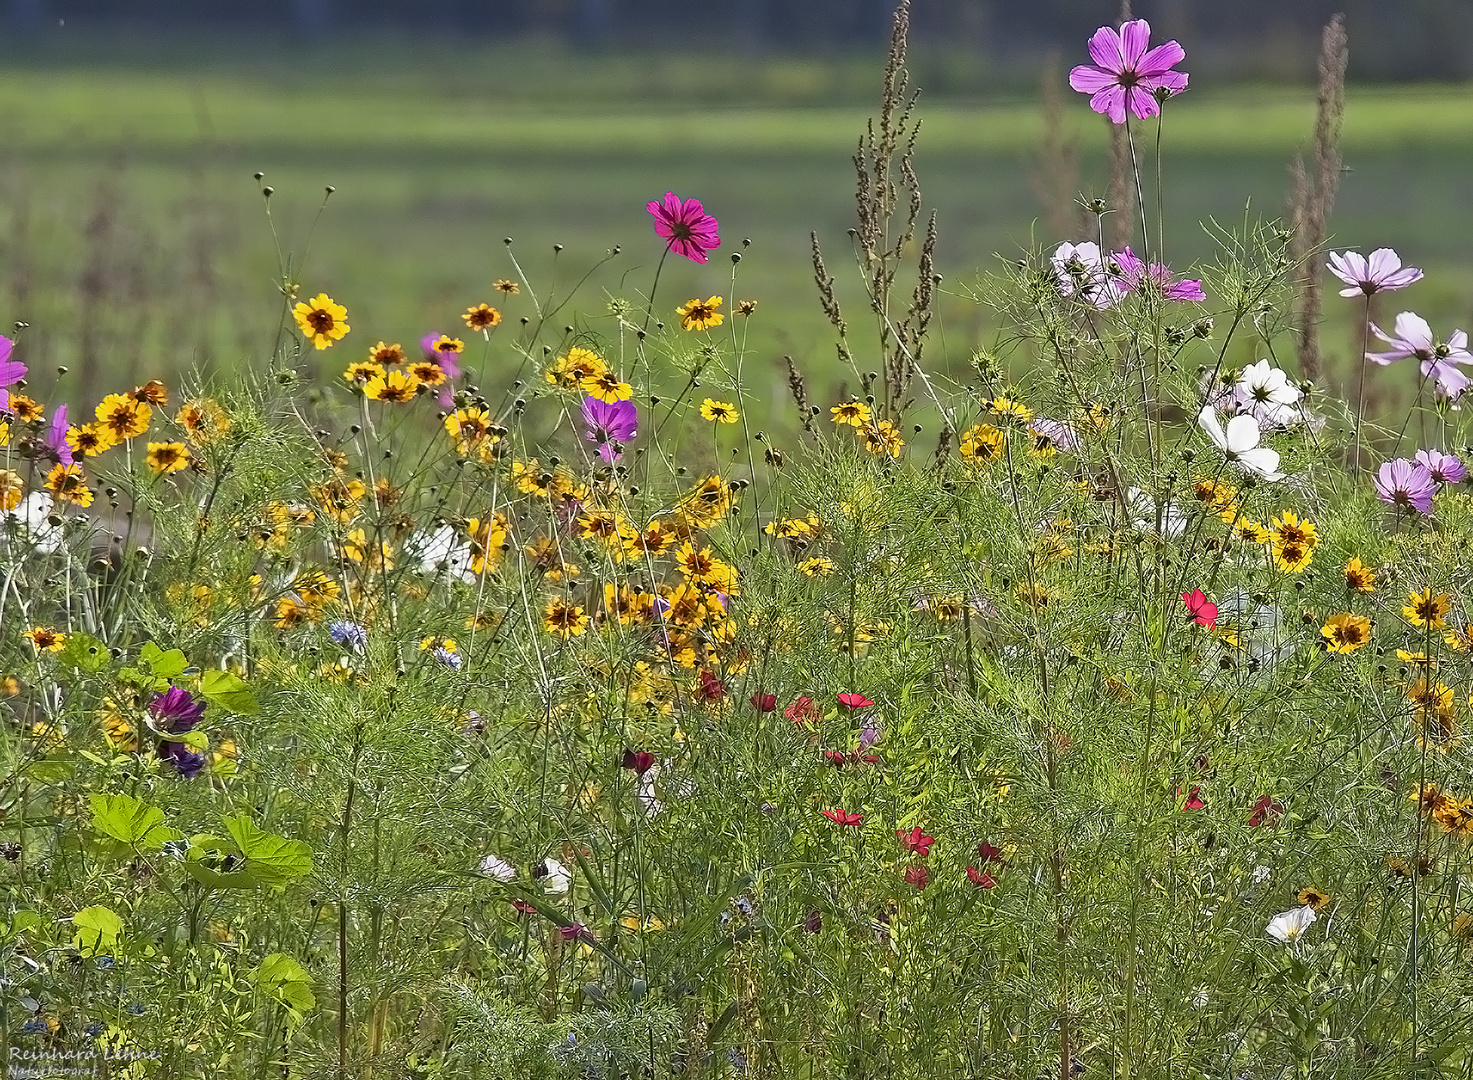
<point>1445,468</point>
<point>1125,76</point>
<point>1413,337</point>
<point>1382,272</point>
<point>1080,271</point>
<point>1200,610</point>
<point>686,225</point>
<point>1402,483</point>
<point>56,439</point>
<point>1134,273</point>
<point>610,424</point>
<point>11,371</point>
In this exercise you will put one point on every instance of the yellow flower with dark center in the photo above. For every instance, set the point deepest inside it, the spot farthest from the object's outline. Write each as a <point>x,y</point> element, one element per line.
<point>700,314</point>
<point>341,499</point>
<point>1313,898</point>
<point>882,439</point>
<point>428,644</point>
<point>719,412</point>
<point>610,529</point>
<point>12,488</point>
<point>1456,818</point>
<point>656,539</point>
<point>316,589</point>
<point>427,372</point>
<point>360,371</point>
<point>117,732</point>
<point>982,444</point>
<point>152,392</point>
<point>706,504</point>
<point>818,566</point>
<point>123,417</point>
<point>203,421</point>
<point>488,542</point>
<point>606,387</point>
<point>507,286</point>
<point>1460,638</point>
<point>44,639</point>
<point>67,484</point>
<point>445,343</point>
<point>396,387</point>
<point>1359,577</point>
<point>1291,558</point>
<point>568,371</point>
<point>468,428</point>
<point>1413,658</point>
<point>1036,596</point>
<point>1431,701</point>
<point>1250,531</point>
<point>547,559</point>
<point>1288,528</point>
<point>854,413</point>
<point>167,457</point>
<point>386,355</point>
<point>1218,496</point>
<point>26,410</point>
<point>291,613</point>
<point>1425,609</point>
<point>564,619</point>
<point>321,320</point>
<point>1463,926</point>
<point>481,317</point>
<point>359,549</point>
<point>688,606</point>
<point>1009,409</point>
<point>622,604</point>
<point>1346,632</point>
<point>89,440</point>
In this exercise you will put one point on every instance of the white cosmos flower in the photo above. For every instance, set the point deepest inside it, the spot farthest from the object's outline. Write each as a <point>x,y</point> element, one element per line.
<point>1266,392</point>
<point>1286,926</point>
<point>1239,443</point>
<point>31,518</point>
<point>438,553</point>
<point>1151,516</point>
<point>494,866</point>
<point>556,877</point>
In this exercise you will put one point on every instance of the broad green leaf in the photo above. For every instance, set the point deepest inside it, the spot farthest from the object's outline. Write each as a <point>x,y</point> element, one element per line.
<point>85,653</point>
<point>129,821</point>
<point>169,665</point>
<point>97,930</point>
<point>195,740</point>
<point>228,690</point>
<point>280,977</point>
<point>19,923</point>
<point>273,859</point>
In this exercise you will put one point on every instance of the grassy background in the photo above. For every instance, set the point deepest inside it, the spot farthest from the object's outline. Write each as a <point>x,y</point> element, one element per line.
<point>132,236</point>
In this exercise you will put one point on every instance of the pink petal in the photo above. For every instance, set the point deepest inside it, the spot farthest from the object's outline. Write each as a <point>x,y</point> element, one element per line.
<point>1142,103</point>
<point>1111,102</point>
<point>1088,79</point>
<point>1104,50</point>
<point>1134,37</point>
<point>11,372</point>
<point>1383,261</point>
<point>1400,279</point>
<point>1160,60</point>
<point>6,345</point>
<point>1188,289</point>
<point>1172,81</point>
<point>1412,329</point>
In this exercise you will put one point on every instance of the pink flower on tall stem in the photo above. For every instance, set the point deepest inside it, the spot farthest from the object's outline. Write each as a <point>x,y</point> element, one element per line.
<point>1443,468</point>
<point>1134,273</point>
<point>1381,272</point>
<point>1413,337</point>
<point>1402,483</point>
<point>11,371</point>
<point>609,424</point>
<point>686,225</point>
<point>1125,76</point>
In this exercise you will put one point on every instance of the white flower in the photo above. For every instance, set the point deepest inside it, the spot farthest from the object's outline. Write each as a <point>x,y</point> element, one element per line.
<point>1080,271</point>
<point>438,553</point>
<point>1266,392</point>
<point>1239,443</point>
<point>556,878</point>
<point>1260,874</point>
<point>1166,518</point>
<point>31,518</point>
<point>645,792</point>
<point>494,866</point>
<point>1288,925</point>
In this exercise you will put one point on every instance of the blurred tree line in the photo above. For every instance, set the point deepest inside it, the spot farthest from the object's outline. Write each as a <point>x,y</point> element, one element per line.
<point>1398,39</point>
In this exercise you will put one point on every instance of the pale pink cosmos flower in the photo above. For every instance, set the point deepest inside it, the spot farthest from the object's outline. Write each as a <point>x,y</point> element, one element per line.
<point>1382,272</point>
<point>1444,468</point>
<point>1125,76</point>
<point>686,225</point>
<point>1134,273</point>
<point>1413,337</point>
<point>1080,270</point>
<point>1402,484</point>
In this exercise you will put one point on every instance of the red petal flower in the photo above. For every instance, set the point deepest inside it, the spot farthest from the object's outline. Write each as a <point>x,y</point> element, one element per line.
<point>840,816</point>
<point>764,702</point>
<point>637,760</point>
<point>990,853</point>
<point>916,841</point>
<point>1265,812</point>
<point>837,758</point>
<point>1193,801</point>
<point>711,688</point>
<point>1199,609</point>
<point>981,878</point>
<point>851,700</point>
<point>802,710</point>
<point>918,876</point>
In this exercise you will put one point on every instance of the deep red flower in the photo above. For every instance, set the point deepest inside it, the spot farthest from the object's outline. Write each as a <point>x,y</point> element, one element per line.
<point>866,759</point>
<point>840,816</point>
<point>980,878</point>
<point>572,931</point>
<point>711,688</point>
<point>814,923</point>
<point>686,225</point>
<point>1194,802</point>
<point>990,853</point>
<point>1199,609</point>
<point>918,876</point>
<point>1265,812</point>
<point>850,700</point>
<point>802,710</point>
<point>837,758</point>
<point>638,760</point>
<point>764,702</point>
<point>916,841</point>
<point>524,907</point>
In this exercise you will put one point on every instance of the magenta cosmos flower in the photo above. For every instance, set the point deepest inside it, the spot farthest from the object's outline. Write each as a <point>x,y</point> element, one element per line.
<point>1382,272</point>
<point>609,423</point>
<point>687,227</point>
<point>1444,468</point>
<point>1125,76</point>
<point>1134,273</point>
<point>1402,483</point>
<point>1413,337</point>
<point>11,371</point>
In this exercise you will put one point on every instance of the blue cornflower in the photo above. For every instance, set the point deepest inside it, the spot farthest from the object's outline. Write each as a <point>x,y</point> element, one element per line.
<point>348,634</point>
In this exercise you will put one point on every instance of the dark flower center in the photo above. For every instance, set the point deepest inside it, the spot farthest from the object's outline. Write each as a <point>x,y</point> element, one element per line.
<point>320,321</point>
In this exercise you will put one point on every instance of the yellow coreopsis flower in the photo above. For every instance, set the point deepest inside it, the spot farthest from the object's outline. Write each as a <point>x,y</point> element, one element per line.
<point>322,320</point>
<point>1425,609</point>
<point>700,314</point>
<point>719,412</point>
<point>1346,632</point>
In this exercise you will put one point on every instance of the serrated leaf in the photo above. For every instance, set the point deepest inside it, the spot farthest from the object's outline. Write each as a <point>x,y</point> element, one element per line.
<point>274,859</point>
<point>84,653</point>
<point>281,977</point>
<point>169,665</point>
<point>228,690</point>
<point>97,930</point>
<point>129,821</point>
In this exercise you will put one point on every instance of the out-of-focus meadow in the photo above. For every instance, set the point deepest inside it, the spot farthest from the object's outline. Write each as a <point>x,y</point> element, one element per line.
<point>133,238</point>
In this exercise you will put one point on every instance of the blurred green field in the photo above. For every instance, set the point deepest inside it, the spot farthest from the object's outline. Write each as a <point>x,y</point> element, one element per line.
<point>133,238</point>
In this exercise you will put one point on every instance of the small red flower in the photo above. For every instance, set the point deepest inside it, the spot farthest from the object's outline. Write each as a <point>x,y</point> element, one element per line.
<point>980,878</point>
<point>916,841</point>
<point>851,700</point>
<point>867,759</point>
<point>524,907</point>
<point>764,702</point>
<point>1199,609</point>
<point>711,688</point>
<point>1194,802</point>
<point>1265,812</point>
<point>837,758</point>
<point>918,876</point>
<point>990,853</point>
<point>840,816</point>
<point>638,760</point>
<point>802,711</point>
<point>573,931</point>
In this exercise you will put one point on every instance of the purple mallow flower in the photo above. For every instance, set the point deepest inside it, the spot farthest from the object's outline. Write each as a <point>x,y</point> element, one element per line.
<point>1444,468</point>
<point>176,711</point>
<point>610,423</point>
<point>187,761</point>
<point>1125,76</point>
<point>1382,272</point>
<point>1413,337</point>
<point>1402,483</point>
<point>1134,273</point>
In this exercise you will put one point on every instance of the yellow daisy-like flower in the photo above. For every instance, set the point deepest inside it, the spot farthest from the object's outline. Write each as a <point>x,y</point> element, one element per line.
<point>89,440</point>
<point>547,559</point>
<point>395,386</point>
<point>854,413</point>
<point>1291,558</point>
<point>1217,495</point>
<point>719,412</point>
<point>1359,577</point>
<point>152,392</point>
<point>12,488</point>
<point>1290,530</point>
<point>321,320</point>
<point>360,371</point>
<point>1346,632</point>
<point>700,314</point>
<point>1009,409</point>
<point>606,387</point>
<point>982,444</point>
<point>567,372</point>
<point>122,416</point>
<point>427,372</point>
<point>26,410</point>
<point>1425,609</point>
<point>386,355</point>
<point>1460,638</point>
<point>1250,531</point>
<point>67,484</point>
<point>657,538</point>
<point>469,428</point>
<point>167,457</point>
<point>481,317</point>
<point>203,421</point>
<point>883,439</point>
<point>564,619</point>
<point>433,642</point>
<point>506,286</point>
<point>44,639</point>
<point>1313,897</point>
<point>446,343</point>
<point>706,504</point>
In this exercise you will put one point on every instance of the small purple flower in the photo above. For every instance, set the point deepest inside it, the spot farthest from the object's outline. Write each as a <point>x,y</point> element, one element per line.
<point>1125,76</point>
<point>60,449</point>
<point>1402,483</point>
<point>609,423</point>
<point>1134,273</point>
<point>448,360</point>
<point>176,711</point>
<point>450,659</point>
<point>1382,272</point>
<point>685,225</point>
<point>348,634</point>
<point>1412,337</point>
<point>1444,468</point>
<point>869,734</point>
<point>188,762</point>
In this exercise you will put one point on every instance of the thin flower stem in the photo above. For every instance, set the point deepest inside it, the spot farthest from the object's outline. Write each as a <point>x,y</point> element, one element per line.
<point>1360,387</point>
<point>654,287</point>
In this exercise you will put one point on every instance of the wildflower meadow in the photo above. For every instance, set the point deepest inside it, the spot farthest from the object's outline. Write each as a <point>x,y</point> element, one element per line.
<point>530,697</point>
